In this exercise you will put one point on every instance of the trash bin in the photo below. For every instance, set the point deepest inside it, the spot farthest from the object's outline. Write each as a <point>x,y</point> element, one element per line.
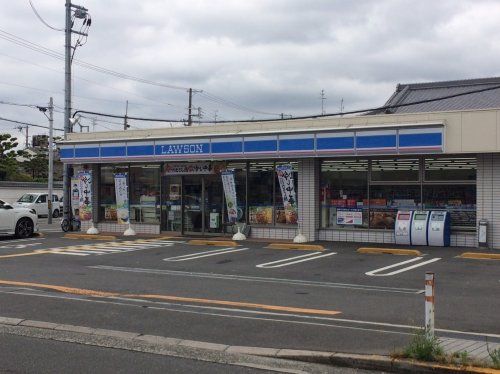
<point>483,233</point>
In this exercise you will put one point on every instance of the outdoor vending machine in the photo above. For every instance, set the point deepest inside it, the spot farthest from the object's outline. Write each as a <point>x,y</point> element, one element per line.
<point>419,227</point>
<point>439,229</point>
<point>402,227</point>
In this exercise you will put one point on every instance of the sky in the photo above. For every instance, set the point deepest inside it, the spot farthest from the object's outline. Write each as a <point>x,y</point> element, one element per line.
<point>244,59</point>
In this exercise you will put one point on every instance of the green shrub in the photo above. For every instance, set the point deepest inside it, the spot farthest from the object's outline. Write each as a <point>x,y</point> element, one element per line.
<point>495,357</point>
<point>423,347</point>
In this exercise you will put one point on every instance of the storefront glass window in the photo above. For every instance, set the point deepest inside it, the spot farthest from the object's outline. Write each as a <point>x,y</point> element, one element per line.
<point>459,200</point>
<point>145,193</point>
<point>344,193</point>
<point>386,200</point>
<point>260,192</point>
<point>450,169</point>
<point>395,170</point>
<point>107,196</point>
<point>281,217</point>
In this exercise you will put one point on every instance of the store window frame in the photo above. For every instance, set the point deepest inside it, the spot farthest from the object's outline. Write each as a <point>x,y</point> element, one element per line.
<point>422,182</point>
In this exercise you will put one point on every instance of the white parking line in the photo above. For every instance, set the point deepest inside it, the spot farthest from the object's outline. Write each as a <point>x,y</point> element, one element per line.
<point>15,241</point>
<point>194,256</point>
<point>110,247</point>
<point>294,260</point>
<point>375,273</point>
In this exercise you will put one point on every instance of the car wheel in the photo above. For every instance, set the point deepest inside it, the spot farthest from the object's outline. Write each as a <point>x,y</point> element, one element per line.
<point>24,228</point>
<point>55,213</point>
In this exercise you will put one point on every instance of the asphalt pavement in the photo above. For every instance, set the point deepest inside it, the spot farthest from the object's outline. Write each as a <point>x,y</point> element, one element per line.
<point>332,300</point>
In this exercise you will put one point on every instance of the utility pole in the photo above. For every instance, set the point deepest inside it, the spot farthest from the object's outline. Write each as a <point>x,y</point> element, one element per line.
<point>125,123</point>
<point>215,116</point>
<point>190,119</point>
<point>323,98</point>
<point>51,158</point>
<point>80,13</point>
<point>67,106</point>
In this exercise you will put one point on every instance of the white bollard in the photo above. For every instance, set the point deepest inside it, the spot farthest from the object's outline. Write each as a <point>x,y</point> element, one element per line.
<point>239,235</point>
<point>92,230</point>
<point>129,231</point>
<point>429,304</point>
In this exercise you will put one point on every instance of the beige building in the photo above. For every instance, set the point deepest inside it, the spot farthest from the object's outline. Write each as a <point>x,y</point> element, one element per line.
<point>349,175</point>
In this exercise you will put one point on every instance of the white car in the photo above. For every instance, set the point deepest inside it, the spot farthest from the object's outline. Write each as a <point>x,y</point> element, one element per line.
<point>20,222</point>
<point>38,202</point>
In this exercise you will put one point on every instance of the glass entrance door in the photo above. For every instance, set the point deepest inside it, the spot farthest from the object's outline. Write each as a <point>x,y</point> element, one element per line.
<point>192,198</point>
<point>171,210</point>
<point>213,206</point>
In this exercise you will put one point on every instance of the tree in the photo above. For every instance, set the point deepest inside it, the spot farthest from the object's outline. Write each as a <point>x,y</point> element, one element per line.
<point>37,166</point>
<point>8,163</point>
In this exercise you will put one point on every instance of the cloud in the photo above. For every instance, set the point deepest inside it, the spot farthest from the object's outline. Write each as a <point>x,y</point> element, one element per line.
<point>272,56</point>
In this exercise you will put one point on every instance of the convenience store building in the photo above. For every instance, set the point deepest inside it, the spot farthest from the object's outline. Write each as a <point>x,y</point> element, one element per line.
<point>351,174</point>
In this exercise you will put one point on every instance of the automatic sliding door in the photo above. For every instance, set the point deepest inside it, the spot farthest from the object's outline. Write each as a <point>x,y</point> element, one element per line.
<point>192,189</point>
<point>213,203</point>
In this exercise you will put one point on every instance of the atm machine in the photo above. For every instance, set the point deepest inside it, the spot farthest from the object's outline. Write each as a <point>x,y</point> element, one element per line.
<point>419,233</point>
<point>402,227</point>
<point>439,229</point>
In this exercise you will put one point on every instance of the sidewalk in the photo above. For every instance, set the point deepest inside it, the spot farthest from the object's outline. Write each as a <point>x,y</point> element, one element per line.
<point>274,359</point>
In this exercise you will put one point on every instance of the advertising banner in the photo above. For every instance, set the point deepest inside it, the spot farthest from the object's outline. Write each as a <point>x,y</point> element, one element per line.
<point>230,193</point>
<point>349,217</point>
<point>85,195</point>
<point>75,195</point>
<point>121,192</point>
<point>285,178</point>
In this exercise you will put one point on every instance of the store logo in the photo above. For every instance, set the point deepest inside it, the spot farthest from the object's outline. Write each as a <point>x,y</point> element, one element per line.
<point>181,149</point>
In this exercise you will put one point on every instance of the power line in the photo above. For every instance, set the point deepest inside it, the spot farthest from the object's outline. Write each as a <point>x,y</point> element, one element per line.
<point>26,123</point>
<point>381,108</point>
<point>38,48</point>
<point>42,20</point>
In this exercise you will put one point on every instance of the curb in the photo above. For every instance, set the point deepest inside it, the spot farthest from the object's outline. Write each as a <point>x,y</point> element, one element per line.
<point>167,344</point>
<point>88,236</point>
<point>301,247</point>
<point>218,243</point>
<point>392,251</point>
<point>480,256</point>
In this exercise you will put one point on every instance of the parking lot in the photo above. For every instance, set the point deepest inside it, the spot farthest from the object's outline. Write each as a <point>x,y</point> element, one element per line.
<point>304,299</point>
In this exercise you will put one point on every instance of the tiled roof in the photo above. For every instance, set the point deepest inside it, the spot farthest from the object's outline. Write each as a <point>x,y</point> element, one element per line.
<point>408,93</point>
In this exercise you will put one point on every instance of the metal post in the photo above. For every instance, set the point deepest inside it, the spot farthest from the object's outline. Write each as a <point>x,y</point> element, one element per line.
<point>190,117</point>
<point>429,304</point>
<point>51,158</point>
<point>67,107</point>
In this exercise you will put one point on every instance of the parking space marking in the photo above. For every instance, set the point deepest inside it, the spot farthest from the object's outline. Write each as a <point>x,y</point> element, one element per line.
<point>256,279</point>
<point>110,247</point>
<point>375,273</point>
<point>294,260</point>
<point>197,255</point>
<point>11,243</point>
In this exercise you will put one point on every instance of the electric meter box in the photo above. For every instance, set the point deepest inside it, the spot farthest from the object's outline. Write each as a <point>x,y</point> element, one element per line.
<point>419,225</point>
<point>402,227</point>
<point>439,229</point>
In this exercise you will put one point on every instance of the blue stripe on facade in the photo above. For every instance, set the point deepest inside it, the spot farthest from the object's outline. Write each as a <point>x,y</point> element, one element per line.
<point>335,143</point>
<point>66,153</point>
<point>376,141</point>
<point>182,149</point>
<point>420,140</point>
<point>227,147</point>
<point>113,151</point>
<point>297,144</point>
<point>140,150</point>
<point>86,152</point>
<point>261,146</point>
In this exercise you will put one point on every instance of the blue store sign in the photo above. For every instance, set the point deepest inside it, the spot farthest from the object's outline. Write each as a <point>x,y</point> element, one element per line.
<point>393,141</point>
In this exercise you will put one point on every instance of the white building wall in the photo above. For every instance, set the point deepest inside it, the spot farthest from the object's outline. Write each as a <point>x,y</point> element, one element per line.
<point>488,195</point>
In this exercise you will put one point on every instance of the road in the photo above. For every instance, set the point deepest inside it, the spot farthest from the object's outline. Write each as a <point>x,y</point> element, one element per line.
<point>248,295</point>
